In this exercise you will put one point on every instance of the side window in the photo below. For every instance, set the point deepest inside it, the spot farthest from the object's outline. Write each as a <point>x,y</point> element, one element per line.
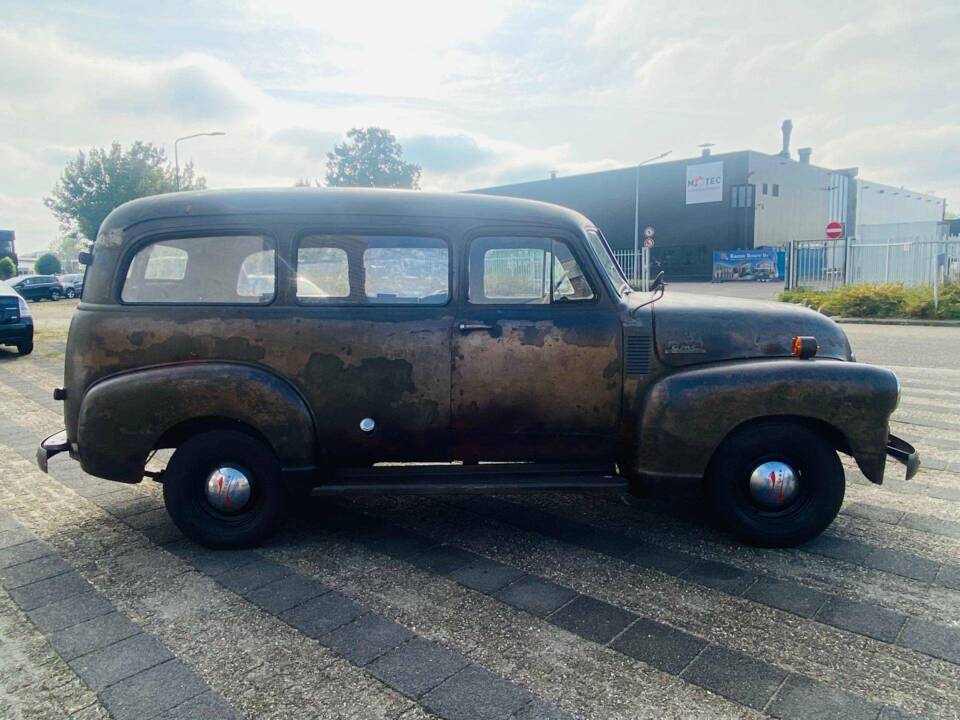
<point>368,270</point>
<point>234,269</point>
<point>525,271</point>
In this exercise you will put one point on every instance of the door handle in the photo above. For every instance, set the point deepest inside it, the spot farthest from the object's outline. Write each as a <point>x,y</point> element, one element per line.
<point>466,327</point>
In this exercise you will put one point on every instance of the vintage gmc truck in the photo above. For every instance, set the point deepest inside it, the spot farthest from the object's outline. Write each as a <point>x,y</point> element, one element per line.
<point>337,341</point>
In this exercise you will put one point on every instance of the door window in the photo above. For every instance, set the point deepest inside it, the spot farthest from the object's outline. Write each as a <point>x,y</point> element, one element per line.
<point>525,271</point>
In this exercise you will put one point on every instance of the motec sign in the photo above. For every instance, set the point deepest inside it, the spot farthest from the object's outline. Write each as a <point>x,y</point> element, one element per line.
<point>834,230</point>
<point>705,183</point>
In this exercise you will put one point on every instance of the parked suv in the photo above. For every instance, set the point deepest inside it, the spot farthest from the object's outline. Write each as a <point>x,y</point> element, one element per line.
<point>290,340</point>
<point>72,284</point>
<point>37,287</point>
<point>16,324</point>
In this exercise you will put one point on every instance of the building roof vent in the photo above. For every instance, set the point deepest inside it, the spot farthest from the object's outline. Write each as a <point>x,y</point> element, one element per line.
<point>804,154</point>
<point>786,129</point>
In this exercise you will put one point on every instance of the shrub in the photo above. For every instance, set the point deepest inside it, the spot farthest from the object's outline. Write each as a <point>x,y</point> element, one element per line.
<point>47,264</point>
<point>881,300</point>
<point>7,268</point>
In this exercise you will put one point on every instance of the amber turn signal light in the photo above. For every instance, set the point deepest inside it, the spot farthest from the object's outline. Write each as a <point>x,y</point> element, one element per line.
<point>804,347</point>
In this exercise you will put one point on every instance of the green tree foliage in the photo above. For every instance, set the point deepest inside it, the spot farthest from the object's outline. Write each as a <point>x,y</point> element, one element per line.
<point>68,247</point>
<point>371,157</point>
<point>47,264</point>
<point>91,186</point>
<point>7,268</point>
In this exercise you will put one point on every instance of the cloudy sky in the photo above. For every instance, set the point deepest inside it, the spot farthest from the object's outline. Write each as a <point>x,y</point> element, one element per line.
<point>479,92</point>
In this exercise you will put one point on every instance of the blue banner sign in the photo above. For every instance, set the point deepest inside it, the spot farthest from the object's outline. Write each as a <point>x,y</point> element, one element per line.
<point>758,264</point>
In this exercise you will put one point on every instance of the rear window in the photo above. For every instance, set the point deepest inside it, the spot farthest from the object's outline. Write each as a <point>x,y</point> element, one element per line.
<point>221,269</point>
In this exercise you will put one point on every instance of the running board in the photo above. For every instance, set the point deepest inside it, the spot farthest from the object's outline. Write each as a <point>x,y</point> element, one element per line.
<point>487,478</point>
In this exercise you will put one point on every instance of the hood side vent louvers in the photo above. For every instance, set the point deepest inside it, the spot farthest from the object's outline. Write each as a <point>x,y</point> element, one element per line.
<point>637,349</point>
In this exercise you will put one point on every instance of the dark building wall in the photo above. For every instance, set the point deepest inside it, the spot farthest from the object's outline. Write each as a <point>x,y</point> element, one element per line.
<point>686,235</point>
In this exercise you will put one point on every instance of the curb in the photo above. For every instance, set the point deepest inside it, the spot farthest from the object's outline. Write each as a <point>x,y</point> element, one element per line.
<point>896,321</point>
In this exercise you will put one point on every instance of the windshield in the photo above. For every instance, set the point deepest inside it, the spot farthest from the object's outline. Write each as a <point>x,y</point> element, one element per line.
<point>607,262</point>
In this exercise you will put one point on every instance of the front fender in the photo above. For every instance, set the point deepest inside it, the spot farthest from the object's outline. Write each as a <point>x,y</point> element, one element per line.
<point>122,417</point>
<point>687,415</point>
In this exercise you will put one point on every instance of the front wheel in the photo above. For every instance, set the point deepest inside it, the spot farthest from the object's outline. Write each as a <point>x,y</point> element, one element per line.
<point>223,489</point>
<point>70,293</point>
<point>25,348</point>
<point>777,484</point>
<point>55,295</point>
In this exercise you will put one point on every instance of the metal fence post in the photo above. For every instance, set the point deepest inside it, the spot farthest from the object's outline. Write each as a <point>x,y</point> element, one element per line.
<point>846,260</point>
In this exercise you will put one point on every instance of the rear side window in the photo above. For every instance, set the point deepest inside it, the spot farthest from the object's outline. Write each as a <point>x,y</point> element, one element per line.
<point>222,269</point>
<point>371,270</point>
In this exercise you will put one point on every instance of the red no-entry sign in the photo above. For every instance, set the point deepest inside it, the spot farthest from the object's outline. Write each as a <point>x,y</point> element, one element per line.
<point>834,230</point>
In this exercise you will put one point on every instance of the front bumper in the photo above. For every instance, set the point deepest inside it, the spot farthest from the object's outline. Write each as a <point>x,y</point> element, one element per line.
<point>902,451</point>
<point>53,445</point>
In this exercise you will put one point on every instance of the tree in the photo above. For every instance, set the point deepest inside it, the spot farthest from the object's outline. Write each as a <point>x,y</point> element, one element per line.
<point>7,268</point>
<point>47,264</point>
<point>68,248</point>
<point>94,184</point>
<point>371,157</point>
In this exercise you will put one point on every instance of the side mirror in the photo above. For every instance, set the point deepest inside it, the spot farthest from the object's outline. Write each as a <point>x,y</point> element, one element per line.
<point>85,258</point>
<point>658,283</point>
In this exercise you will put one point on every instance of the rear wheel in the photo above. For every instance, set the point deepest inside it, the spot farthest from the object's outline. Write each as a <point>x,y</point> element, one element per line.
<point>777,484</point>
<point>25,348</point>
<point>223,489</point>
<point>70,293</point>
<point>55,295</point>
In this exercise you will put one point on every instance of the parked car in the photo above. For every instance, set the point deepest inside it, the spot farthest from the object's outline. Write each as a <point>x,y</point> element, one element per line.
<point>16,323</point>
<point>72,284</point>
<point>37,287</point>
<point>440,328</point>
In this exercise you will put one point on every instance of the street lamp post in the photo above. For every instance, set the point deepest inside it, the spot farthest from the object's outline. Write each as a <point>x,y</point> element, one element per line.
<point>636,212</point>
<point>176,153</point>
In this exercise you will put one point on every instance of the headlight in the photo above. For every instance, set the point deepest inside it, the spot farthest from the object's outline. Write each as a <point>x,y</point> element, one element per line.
<point>24,308</point>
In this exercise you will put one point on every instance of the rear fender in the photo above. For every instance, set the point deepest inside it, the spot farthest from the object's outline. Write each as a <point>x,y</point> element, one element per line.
<point>123,417</point>
<point>687,415</point>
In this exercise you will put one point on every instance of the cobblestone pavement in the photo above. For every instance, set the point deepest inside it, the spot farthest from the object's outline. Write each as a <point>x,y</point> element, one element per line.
<point>567,605</point>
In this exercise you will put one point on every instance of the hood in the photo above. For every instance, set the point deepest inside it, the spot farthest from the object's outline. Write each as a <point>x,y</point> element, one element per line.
<point>695,329</point>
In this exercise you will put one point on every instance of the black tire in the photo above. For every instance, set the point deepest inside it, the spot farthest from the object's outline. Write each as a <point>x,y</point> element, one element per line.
<point>55,295</point>
<point>70,293</point>
<point>184,494</point>
<point>25,348</point>
<point>820,490</point>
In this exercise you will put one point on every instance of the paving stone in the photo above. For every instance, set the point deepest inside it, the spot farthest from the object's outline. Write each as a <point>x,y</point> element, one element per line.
<point>801,698</point>
<point>24,552</point>
<point>111,664</point>
<point>322,614</point>
<point>485,576</point>
<point>592,619</point>
<point>212,562</point>
<point>932,639</point>
<point>70,611</point>
<point>392,541</point>
<point>148,519</point>
<point>734,675</point>
<point>539,710</point>
<point>862,618</point>
<point>662,559</point>
<point>285,593</point>
<point>124,503</point>
<point>475,693</point>
<point>366,638</point>
<point>206,706</point>
<point>935,525</point>
<point>32,571</point>
<point>253,575</point>
<point>659,645</point>
<point>903,564</point>
<point>943,493</point>
<point>416,667</point>
<point>15,536</point>
<point>538,597</point>
<point>153,691</point>
<point>44,592</point>
<point>838,549</point>
<point>719,576</point>
<point>92,635</point>
<point>873,512</point>
<point>441,559</point>
<point>163,534</point>
<point>891,713</point>
<point>786,595</point>
<point>949,576</point>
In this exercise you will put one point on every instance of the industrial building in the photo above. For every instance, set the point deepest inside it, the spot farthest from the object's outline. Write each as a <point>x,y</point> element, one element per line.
<point>734,201</point>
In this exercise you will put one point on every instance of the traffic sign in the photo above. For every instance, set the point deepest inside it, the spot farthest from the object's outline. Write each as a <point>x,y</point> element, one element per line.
<point>648,231</point>
<point>834,230</point>
<point>648,242</point>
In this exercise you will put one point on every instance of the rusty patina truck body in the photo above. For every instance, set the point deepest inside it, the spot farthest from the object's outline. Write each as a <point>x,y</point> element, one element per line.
<point>292,339</point>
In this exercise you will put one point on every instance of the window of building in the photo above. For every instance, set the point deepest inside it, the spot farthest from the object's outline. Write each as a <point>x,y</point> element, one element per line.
<point>528,271</point>
<point>776,190</point>
<point>235,269</point>
<point>765,188</point>
<point>373,270</point>
<point>741,196</point>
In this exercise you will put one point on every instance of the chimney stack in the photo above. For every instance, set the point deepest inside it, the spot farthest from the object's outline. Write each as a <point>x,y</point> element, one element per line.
<point>553,174</point>
<point>705,152</point>
<point>804,154</point>
<point>786,129</point>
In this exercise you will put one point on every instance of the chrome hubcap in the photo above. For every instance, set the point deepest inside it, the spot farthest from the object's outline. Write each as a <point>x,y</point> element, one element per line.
<point>228,489</point>
<point>774,484</point>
